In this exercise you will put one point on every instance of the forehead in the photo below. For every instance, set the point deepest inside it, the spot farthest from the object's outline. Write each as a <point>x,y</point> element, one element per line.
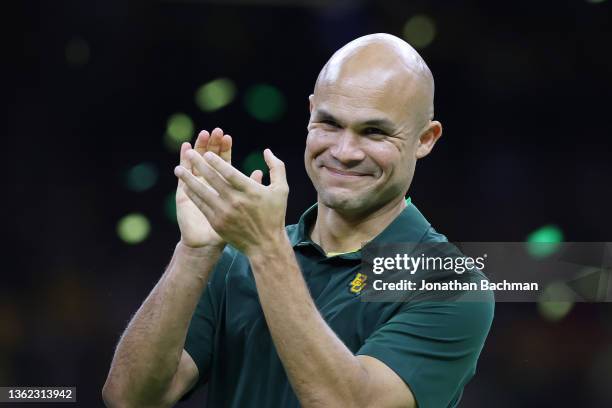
<point>368,94</point>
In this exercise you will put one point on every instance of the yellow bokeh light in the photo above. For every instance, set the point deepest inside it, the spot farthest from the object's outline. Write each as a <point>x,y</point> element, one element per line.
<point>133,228</point>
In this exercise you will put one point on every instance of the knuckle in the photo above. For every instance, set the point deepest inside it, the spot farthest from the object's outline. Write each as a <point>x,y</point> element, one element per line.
<point>284,188</point>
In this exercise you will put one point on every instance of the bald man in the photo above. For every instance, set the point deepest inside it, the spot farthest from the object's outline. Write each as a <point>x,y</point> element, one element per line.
<point>271,316</point>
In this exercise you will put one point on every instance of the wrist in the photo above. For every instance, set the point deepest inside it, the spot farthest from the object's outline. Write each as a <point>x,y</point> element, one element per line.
<point>204,251</point>
<point>270,247</point>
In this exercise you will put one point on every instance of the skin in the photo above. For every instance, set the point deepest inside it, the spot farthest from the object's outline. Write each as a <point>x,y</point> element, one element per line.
<point>150,367</point>
<point>361,172</point>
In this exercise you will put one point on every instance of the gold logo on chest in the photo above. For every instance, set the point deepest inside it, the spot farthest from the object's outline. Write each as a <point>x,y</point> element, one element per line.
<point>358,283</point>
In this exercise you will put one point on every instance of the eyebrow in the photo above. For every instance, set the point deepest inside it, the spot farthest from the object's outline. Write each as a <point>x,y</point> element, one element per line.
<point>384,123</point>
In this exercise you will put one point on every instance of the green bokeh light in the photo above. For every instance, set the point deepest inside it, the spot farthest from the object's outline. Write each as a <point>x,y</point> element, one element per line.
<point>133,228</point>
<point>544,241</point>
<point>419,31</point>
<point>141,177</point>
<point>215,94</point>
<point>170,206</point>
<point>555,302</point>
<point>265,102</point>
<point>179,129</point>
<point>254,161</point>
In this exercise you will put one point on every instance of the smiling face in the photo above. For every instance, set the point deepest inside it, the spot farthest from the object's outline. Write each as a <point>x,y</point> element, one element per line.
<point>368,114</point>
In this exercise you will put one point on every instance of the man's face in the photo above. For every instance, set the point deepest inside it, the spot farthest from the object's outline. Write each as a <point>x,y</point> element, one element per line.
<point>361,145</point>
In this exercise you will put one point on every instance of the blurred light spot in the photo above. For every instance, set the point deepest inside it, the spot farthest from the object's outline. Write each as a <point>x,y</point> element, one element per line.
<point>595,1</point>
<point>133,228</point>
<point>265,102</point>
<point>544,241</point>
<point>141,177</point>
<point>419,31</point>
<point>254,161</point>
<point>77,52</point>
<point>555,302</point>
<point>215,94</point>
<point>179,129</point>
<point>170,206</point>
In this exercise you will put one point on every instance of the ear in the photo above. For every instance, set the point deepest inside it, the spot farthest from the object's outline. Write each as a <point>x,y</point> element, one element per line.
<point>428,139</point>
<point>310,103</point>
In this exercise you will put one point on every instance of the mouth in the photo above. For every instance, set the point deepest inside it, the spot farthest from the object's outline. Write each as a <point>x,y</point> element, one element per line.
<point>344,173</point>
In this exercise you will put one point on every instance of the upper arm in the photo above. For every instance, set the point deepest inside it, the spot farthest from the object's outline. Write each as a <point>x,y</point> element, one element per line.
<point>184,379</point>
<point>385,388</point>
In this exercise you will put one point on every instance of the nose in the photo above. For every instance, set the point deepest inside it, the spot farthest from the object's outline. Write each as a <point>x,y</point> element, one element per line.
<point>347,149</point>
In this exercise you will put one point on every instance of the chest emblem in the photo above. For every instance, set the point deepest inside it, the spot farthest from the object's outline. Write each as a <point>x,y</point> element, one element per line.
<point>358,283</point>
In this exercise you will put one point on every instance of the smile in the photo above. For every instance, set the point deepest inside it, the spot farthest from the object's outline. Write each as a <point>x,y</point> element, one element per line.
<point>343,173</point>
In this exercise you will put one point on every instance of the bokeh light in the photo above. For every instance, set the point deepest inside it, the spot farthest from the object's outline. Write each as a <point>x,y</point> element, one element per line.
<point>141,177</point>
<point>133,228</point>
<point>77,52</point>
<point>419,31</point>
<point>265,102</point>
<point>215,94</point>
<point>254,161</point>
<point>544,241</point>
<point>179,129</point>
<point>555,302</point>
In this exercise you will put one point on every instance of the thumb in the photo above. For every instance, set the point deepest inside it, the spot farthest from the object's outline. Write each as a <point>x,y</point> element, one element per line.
<point>277,168</point>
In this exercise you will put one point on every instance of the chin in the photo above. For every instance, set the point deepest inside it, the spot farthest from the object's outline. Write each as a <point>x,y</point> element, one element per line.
<point>341,201</point>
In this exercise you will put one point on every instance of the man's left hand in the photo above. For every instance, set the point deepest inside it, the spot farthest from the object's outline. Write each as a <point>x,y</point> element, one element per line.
<point>244,212</point>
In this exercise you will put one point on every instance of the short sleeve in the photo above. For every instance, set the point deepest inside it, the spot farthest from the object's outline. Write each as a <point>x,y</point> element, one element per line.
<point>201,332</point>
<point>433,346</point>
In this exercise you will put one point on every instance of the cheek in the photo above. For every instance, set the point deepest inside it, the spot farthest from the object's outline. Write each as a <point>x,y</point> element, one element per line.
<point>387,157</point>
<point>315,143</point>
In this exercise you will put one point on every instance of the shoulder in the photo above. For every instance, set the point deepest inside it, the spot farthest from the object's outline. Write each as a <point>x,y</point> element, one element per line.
<point>431,235</point>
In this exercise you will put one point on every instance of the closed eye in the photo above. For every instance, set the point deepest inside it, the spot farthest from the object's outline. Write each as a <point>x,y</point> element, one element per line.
<point>330,123</point>
<point>374,131</point>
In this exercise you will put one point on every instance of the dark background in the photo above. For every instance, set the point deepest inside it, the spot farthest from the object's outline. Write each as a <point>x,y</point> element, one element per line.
<point>522,89</point>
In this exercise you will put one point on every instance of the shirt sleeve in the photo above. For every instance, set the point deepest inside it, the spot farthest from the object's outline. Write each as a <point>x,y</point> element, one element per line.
<point>433,346</point>
<point>201,332</point>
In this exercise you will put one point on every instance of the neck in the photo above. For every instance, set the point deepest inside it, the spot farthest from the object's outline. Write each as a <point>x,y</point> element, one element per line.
<point>335,232</point>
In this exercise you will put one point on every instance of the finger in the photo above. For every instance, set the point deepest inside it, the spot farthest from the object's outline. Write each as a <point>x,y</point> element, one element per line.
<point>198,202</point>
<point>202,141</point>
<point>200,146</point>
<point>210,175</point>
<point>277,168</point>
<point>228,172</point>
<point>183,161</point>
<point>214,143</point>
<point>257,175</point>
<point>182,157</point>
<point>226,148</point>
<point>205,193</point>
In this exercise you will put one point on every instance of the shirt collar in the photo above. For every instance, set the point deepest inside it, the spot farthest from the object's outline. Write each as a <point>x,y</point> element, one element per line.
<point>409,226</point>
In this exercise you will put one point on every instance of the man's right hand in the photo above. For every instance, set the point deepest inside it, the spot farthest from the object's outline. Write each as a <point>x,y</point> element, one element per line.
<point>196,231</point>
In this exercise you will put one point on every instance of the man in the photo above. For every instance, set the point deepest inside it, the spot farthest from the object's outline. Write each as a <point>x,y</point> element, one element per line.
<point>274,318</point>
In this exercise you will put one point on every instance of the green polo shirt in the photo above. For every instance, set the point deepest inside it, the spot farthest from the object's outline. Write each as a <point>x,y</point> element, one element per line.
<point>432,346</point>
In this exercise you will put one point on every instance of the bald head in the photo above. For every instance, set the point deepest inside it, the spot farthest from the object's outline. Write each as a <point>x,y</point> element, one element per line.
<point>386,64</point>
